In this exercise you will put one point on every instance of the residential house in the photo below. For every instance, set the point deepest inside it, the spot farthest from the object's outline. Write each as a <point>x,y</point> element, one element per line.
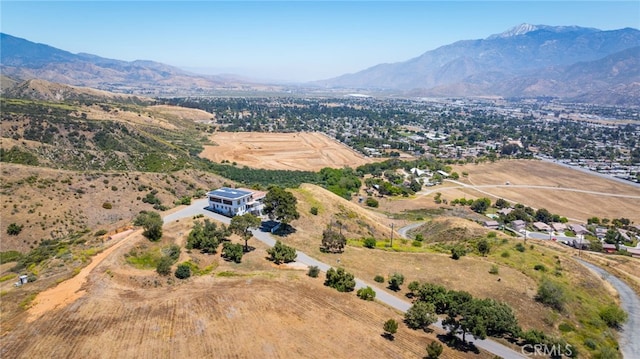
<point>505,211</point>
<point>236,202</point>
<point>580,243</point>
<point>518,225</point>
<point>541,227</point>
<point>491,224</point>
<point>609,248</point>
<point>559,227</point>
<point>579,229</point>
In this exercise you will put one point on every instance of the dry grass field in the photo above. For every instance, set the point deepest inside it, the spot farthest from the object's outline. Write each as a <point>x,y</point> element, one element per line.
<point>577,205</point>
<point>556,196</point>
<point>252,309</point>
<point>54,203</point>
<point>306,151</point>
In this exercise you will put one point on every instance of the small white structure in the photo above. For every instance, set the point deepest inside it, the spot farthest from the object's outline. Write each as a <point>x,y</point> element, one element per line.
<point>236,202</point>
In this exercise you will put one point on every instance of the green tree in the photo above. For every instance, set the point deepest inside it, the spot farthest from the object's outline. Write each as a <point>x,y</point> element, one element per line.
<point>183,271</point>
<point>481,205</point>
<point>232,251</point>
<point>242,225</point>
<point>420,315</point>
<point>340,279</point>
<point>434,349</point>
<point>332,241</point>
<point>281,205</point>
<point>152,224</point>
<point>483,247</point>
<point>206,237</point>
<point>390,328</point>
<point>281,253</point>
<point>366,293</point>
<point>395,281</point>
<point>543,215</point>
<point>502,203</point>
<point>14,229</point>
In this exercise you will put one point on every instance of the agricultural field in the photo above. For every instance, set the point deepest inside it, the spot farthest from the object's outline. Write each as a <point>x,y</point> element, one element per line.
<point>306,151</point>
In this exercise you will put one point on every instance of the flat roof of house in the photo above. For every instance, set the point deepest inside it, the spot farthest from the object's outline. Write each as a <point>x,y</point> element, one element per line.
<point>230,193</point>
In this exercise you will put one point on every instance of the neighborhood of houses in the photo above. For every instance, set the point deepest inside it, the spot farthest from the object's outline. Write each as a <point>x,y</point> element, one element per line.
<point>559,232</point>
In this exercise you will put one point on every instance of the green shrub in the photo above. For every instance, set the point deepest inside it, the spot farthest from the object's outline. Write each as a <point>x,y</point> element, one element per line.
<point>313,272</point>
<point>520,247</point>
<point>100,232</point>
<point>366,293</point>
<point>551,294</point>
<point>395,281</point>
<point>14,229</point>
<point>107,205</point>
<point>183,271</point>
<point>540,267</point>
<point>371,202</point>
<point>369,242</point>
<point>314,211</point>
<point>434,349</point>
<point>417,244</point>
<point>505,254</point>
<point>379,279</point>
<point>494,269</point>
<point>458,251</point>
<point>613,316</point>
<point>164,266</point>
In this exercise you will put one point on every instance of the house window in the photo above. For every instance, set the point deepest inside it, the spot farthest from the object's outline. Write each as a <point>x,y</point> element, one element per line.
<point>216,200</point>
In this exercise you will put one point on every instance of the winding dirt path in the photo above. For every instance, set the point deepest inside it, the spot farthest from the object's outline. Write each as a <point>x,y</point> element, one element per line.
<point>70,290</point>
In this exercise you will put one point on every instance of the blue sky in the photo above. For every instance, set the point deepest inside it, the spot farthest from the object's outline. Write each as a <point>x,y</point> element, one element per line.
<point>292,40</point>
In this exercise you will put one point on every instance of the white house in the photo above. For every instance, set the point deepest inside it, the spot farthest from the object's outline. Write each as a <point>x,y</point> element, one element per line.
<point>235,201</point>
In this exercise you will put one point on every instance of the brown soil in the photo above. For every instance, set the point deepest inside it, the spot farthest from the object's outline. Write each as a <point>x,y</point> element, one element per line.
<point>305,151</point>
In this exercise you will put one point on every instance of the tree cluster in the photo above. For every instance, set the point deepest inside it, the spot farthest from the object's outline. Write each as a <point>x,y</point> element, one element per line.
<point>332,241</point>
<point>152,223</point>
<point>206,237</point>
<point>340,279</point>
<point>281,253</point>
<point>465,314</point>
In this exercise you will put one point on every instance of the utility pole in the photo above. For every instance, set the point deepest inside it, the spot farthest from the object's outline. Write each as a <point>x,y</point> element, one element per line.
<point>391,235</point>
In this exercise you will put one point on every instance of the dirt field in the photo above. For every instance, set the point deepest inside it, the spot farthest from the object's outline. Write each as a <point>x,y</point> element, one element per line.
<point>557,197</point>
<point>283,151</point>
<point>252,309</point>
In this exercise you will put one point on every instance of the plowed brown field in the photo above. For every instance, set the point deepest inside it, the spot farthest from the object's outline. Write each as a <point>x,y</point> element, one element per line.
<point>306,151</point>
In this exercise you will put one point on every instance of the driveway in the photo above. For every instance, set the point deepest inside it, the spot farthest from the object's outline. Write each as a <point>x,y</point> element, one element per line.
<point>198,207</point>
<point>629,344</point>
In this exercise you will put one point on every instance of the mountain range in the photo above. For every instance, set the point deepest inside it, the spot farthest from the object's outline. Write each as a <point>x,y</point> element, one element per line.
<point>570,62</point>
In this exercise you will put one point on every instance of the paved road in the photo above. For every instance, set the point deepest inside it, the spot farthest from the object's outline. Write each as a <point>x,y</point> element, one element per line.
<point>629,343</point>
<point>198,207</point>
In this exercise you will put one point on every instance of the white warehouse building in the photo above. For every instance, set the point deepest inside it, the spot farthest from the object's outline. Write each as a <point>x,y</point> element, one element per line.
<point>236,202</point>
